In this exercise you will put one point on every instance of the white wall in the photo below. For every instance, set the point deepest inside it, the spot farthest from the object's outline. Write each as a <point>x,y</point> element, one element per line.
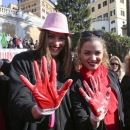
<point>119,25</point>
<point>99,25</point>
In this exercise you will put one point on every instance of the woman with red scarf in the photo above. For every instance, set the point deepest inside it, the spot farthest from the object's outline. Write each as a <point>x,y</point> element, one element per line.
<point>95,94</point>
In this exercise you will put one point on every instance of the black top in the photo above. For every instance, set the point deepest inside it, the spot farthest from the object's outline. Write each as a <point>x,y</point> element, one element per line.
<point>125,87</point>
<point>21,100</point>
<point>81,109</point>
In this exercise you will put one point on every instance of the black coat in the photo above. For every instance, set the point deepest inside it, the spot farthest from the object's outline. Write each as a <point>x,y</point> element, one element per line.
<point>4,87</point>
<point>21,99</point>
<point>5,68</point>
<point>125,87</point>
<point>81,109</point>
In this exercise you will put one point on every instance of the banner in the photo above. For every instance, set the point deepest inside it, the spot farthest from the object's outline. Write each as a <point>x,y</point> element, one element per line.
<point>10,53</point>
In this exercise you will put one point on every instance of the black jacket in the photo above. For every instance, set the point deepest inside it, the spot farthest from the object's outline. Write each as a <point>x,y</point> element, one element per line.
<point>5,68</point>
<point>125,87</point>
<point>21,100</point>
<point>4,87</point>
<point>81,109</point>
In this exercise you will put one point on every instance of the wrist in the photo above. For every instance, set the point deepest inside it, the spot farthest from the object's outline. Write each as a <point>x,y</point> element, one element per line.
<point>48,111</point>
<point>95,123</point>
<point>96,118</point>
<point>35,114</point>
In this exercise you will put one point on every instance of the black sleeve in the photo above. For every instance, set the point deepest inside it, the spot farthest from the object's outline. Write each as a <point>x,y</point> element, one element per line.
<point>5,68</point>
<point>20,97</point>
<point>125,87</point>
<point>81,110</point>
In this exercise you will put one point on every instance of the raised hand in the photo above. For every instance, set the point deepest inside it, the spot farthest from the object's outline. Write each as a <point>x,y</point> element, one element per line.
<point>96,99</point>
<point>45,92</point>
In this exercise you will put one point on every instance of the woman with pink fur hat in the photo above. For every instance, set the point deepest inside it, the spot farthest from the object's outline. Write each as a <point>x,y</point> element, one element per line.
<point>39,80</point>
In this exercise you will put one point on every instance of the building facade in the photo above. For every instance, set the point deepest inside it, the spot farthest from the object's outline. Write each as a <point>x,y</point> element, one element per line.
<point>17,22</point>
<point>109,15</point>
<point>40,8</point>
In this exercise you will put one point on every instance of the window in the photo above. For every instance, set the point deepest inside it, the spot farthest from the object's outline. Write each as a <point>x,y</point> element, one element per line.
<point>47,12</point>
<point>112,12</point>
<point>88,1</point>
<point>43,10</point>
<point>111,1</point>
<point>43,17</point>
<point>100,16</point>
<point>105,15</point>
<point>104,3</point>
<point>113,29</point>
<point>93,9</point>
<point>122,13</point>
<point>122,1</point>
<point>93,1</point>
<point>33,10</point>
<point>93,19</point>
<point>34,4</point>
<point>99,6</point>
<point>113,21</point>
<point>28,6</point>
<point>103,28</point>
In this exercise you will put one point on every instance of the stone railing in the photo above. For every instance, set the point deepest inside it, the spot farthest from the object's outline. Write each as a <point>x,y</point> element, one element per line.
<point>31,19</point>
<point>7,11</point>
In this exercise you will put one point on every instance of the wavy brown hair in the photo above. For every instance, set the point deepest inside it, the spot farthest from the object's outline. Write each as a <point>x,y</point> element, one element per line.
<point>64,56</point>
<point>105,61</point>
<point>119,71</point>
<point>127,64</point>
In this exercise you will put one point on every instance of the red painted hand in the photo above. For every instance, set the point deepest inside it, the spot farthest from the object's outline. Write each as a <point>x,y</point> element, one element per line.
<point>45,92</point>
<point>98,103</point>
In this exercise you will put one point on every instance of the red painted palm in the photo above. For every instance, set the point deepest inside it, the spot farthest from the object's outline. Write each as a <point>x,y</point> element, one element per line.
<point>45,92</point>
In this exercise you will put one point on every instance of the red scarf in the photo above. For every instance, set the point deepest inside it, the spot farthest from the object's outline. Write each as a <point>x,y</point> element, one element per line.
<point>102,72</point>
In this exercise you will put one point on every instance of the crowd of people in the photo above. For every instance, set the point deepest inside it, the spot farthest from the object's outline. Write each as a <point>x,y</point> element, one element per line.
<point>48,88</point>
<point>18,42</point>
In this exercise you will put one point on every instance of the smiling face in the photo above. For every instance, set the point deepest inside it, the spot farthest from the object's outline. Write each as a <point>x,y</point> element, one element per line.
<point>91,54</point>
<point>114,65</point>
<point>56,43</point>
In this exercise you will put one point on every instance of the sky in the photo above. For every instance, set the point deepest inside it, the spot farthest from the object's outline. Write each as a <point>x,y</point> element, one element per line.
<point>7,2</point>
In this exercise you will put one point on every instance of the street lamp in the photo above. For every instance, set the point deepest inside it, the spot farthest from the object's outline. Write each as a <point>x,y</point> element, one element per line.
<point>55,5</point>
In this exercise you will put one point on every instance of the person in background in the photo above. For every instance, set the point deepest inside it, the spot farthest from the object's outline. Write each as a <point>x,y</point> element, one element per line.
<point>95,93</point>
<point>25,43</point>
<point>8,38</point>
<point>18,42</point>
<point>77,64</point>
<point>31,44</point>
<point>14,40</point>
<point>36,44</point>
<point>125,87</point>
<point>4,87</point>
<point>43,108</point>
<point>116,65</point>
<point>5,67</point>
<point>11,45</point>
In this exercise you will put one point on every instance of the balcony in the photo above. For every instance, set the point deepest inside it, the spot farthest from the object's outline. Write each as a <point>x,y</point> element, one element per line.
<point>100,19</point>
